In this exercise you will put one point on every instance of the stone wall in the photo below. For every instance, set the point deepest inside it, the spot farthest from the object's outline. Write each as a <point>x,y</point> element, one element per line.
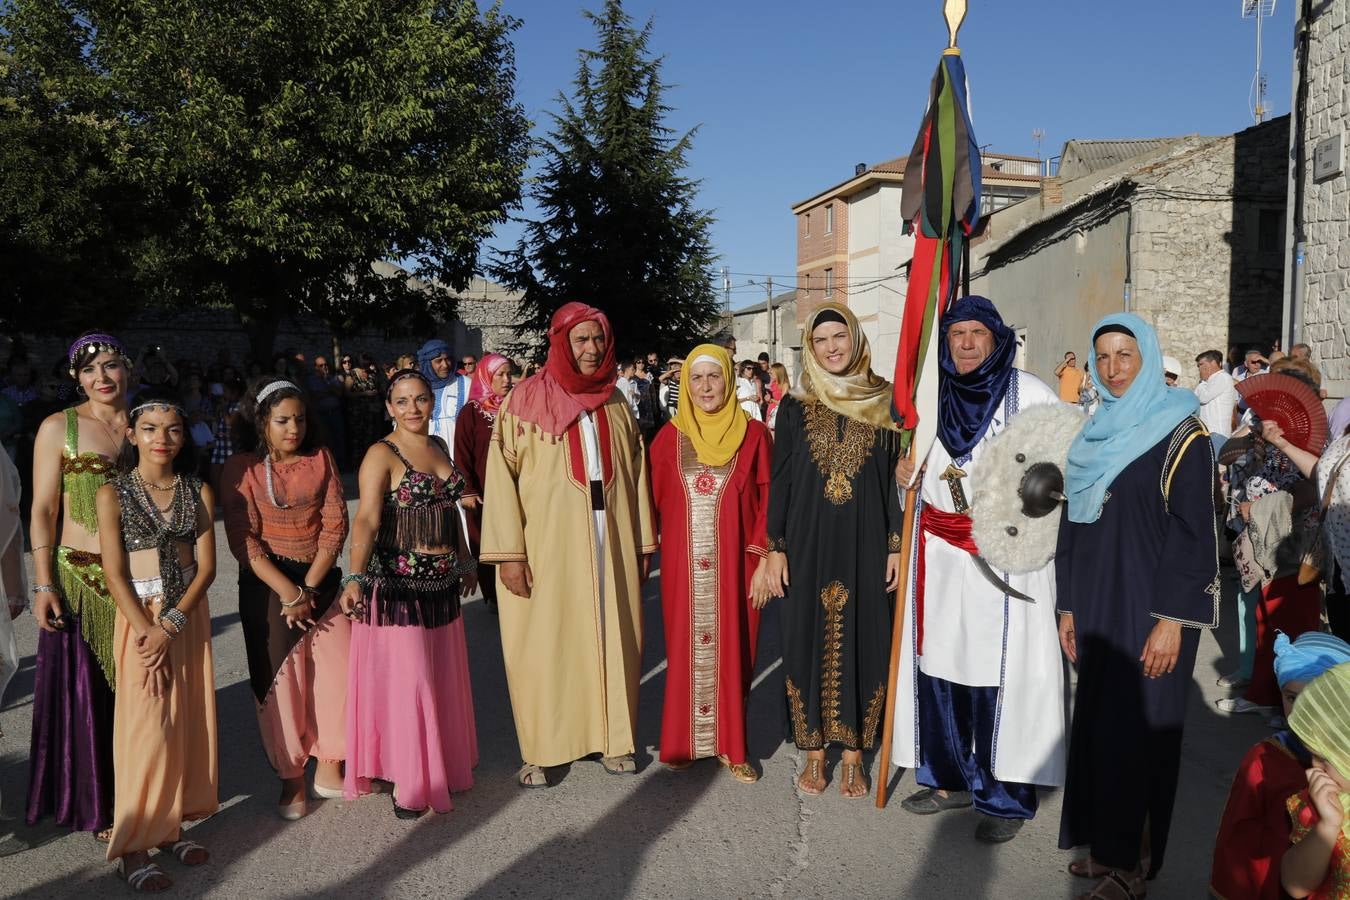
<point>485,320</point>
<point>1326,204</point>
<point>1207,244</point>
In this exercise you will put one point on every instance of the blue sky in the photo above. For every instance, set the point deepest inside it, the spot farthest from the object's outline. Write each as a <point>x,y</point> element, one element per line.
<point>789,96</point>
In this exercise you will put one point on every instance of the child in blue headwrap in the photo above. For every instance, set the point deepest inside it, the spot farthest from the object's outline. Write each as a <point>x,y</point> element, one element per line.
<point>1255,829</point>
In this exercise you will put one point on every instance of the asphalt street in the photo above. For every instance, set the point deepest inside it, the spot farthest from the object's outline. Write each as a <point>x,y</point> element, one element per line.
<point>661,833</point>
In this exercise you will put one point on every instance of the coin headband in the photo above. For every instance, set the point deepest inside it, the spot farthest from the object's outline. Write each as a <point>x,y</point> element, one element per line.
<point>100,343</point>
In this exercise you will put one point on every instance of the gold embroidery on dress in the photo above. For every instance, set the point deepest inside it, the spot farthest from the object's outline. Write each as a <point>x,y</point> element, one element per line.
<point>703,486</point>
<point>893,543</point>
<point>838,457</point>
<point>833,598</point>
<point>803,735</point>
<point>873,716</point>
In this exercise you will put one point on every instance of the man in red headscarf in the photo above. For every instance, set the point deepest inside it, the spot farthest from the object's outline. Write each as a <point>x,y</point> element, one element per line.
<point>570,529</point>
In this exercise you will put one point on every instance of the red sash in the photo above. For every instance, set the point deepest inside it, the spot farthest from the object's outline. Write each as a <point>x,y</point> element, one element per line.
<point>953,528</point>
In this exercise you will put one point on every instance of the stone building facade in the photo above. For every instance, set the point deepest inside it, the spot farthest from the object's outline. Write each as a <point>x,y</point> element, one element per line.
<point>1319,290</point>
<point>1190,236</point>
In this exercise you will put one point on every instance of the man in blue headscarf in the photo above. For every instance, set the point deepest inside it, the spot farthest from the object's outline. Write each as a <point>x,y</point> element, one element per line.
<point>979,711</point>
<point>448,389</point>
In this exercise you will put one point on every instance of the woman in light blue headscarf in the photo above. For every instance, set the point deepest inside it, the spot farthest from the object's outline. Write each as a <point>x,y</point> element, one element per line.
<point>1138,577</point>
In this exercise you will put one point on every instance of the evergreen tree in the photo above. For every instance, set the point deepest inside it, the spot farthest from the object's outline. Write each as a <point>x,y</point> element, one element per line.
<point>619,228</point>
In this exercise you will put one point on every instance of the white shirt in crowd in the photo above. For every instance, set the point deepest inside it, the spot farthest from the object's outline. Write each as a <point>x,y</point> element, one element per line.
<point>1217,401</point>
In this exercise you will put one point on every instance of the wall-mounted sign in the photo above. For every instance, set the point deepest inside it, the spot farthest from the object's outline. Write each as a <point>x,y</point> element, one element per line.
<point>1328,159</point>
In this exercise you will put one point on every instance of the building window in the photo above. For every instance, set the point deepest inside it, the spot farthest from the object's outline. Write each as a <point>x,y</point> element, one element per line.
<point>807,226</point>
<point>829,284</point>
<point>829,219</point>
<point>1269,230</point>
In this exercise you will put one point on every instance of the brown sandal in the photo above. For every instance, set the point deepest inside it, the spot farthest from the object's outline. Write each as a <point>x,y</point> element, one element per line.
<point>851,777</point>
<point>1114,886</point>
<point>811,777</point>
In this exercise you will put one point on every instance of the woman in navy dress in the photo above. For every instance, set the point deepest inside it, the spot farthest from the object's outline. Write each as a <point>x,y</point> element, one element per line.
<point>1138,577</point>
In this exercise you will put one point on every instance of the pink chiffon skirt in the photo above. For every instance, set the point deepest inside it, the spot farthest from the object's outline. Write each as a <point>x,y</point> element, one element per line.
<point>410,713</point>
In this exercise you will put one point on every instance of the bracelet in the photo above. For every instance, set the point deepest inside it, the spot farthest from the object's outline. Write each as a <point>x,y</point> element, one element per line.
<point>299,598</point>
<point>166,631</point>
<point>175,617</point>
<point>45,589</point>
<point>469,565</point>
<point>43,547</point>
<point>354,578</point>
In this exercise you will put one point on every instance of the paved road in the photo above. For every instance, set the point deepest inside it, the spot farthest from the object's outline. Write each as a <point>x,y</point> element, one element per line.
<point>696,833</point>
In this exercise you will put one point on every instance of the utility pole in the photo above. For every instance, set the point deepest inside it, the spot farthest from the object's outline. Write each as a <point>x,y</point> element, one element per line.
<point>773,337</point>
<point>726,290</point>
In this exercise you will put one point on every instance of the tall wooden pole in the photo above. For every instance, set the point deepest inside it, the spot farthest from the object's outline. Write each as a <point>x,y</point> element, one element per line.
<point>897,632</point>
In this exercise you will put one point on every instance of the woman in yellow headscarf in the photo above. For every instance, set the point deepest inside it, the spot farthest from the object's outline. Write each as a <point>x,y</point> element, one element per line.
<point>834,542</point>
<point>710,483</point>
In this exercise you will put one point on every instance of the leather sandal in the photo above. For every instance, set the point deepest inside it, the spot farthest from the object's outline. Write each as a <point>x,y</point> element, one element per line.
<point>811,780</point>
<point>742,772</point>
<point>137,878</point>
<point>183,849</point>
<point>532,776</point>
<point>851,778</point>
<point>1115,886</point>
<point>619,765</point>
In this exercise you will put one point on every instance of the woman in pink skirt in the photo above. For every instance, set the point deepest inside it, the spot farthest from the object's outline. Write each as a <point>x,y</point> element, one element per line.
<point>409,705</point>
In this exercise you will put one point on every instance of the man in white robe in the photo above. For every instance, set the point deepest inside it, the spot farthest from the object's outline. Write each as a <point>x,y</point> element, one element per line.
<point>980,708</point>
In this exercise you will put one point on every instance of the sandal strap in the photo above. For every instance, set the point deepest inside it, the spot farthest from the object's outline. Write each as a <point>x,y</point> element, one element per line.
<point>182,848</point>
<point>1117,880</point>
<point>143,874</point>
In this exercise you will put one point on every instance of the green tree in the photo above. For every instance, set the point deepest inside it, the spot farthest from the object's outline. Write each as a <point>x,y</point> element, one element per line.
<point>274,149</point>
<point>618,224</point>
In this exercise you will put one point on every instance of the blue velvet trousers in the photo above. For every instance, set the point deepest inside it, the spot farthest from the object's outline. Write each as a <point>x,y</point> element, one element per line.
<point>956,742</point>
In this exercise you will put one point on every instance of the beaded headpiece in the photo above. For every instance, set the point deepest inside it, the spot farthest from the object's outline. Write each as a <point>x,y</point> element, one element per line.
<point>157,406</point>
<point>273,386</point>
<point>99,343</point>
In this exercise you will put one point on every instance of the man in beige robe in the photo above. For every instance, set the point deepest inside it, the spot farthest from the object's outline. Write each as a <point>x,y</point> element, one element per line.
<point>569,525</point>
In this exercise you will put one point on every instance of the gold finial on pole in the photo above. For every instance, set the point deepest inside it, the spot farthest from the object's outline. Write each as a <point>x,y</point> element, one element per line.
<point>955,13</point>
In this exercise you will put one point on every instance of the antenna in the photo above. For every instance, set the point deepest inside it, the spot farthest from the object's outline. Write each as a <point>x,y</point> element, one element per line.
<point>1259,10</point>
<point>1038,135</point>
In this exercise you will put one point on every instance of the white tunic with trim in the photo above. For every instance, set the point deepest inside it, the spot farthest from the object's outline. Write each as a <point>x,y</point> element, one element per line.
<point>976,636</point>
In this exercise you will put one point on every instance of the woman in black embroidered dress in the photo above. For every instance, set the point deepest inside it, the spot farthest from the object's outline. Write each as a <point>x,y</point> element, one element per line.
<point>834,541</point>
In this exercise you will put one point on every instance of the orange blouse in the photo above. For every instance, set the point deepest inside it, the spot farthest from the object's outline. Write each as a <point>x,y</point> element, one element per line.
<point>315,513</point>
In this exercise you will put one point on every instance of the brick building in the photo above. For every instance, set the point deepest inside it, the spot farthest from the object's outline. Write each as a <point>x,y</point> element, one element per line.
<point>851,247</point>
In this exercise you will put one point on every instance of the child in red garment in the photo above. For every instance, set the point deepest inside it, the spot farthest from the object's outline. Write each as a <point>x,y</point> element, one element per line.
<point>1317,863</point>
<point>1255,829</point>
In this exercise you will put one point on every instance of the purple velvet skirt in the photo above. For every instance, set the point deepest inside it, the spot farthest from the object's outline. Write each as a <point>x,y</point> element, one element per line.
<point>70,772</point>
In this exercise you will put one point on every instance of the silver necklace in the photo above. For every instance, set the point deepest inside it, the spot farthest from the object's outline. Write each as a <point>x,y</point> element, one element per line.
<point>271,486</point>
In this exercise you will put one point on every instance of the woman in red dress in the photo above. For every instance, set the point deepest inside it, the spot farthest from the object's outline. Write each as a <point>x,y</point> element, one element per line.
<point>710,482</point>
<point>473,431</point>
